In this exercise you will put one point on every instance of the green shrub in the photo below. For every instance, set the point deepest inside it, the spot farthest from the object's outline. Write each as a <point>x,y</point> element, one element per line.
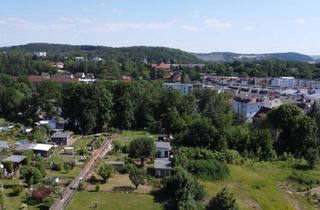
<point>208,169</point>
<point>16,190</point>
<point>47,203</point>
<point>97,188</point>
<point>305,179</point>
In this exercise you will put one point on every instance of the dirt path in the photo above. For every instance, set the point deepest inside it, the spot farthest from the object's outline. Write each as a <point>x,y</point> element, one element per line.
<point>289,197</point>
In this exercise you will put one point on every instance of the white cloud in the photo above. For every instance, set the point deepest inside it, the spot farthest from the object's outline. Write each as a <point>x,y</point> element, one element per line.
<point>75,20</point>
<point>248,28</point>
<point>301,21</point>
<point>102,4</point>
<point>22,24</point>
<point>189,28</point>
<point>123,26</point>
<point>218,24</point>
<point>118,11</point>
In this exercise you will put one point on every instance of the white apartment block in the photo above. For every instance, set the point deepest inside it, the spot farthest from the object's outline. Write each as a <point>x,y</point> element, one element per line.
<point>184,89</point>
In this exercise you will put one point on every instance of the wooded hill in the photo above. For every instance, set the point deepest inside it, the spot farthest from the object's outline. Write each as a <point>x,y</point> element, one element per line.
<point>136,54</point>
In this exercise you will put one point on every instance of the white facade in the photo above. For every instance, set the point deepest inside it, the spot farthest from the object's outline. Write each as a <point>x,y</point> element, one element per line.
<point>284,82</point>
<point>246,109</point>
<point>40,54</point>
<point>162,149</point>
<point>79,58</point>
<point>184,89</point>
<point>249,108</point>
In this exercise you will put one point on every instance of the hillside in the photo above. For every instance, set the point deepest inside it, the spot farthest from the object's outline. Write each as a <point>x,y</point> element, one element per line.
<point>135,54</point>
<point>229,56</point>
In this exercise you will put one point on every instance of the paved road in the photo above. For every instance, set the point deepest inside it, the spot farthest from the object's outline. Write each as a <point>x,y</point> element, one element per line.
<point>72,188</point>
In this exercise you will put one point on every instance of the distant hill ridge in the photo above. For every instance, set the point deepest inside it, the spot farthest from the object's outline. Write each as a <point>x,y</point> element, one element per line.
<point>230,56</point>
<point>136,53</point>
<point>152,54</point>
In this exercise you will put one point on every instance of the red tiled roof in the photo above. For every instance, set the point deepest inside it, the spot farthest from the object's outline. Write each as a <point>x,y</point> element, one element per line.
<point>161,66</point>
<point>37,78</point>
<point>63,79</point>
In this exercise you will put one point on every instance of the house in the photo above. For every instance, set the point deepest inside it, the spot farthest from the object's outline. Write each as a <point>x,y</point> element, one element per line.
<point>68,150</point>
<point>4,146</point>
<point>79,59</point>
<point>17,160</point>
<point>40,54</point>
<point>61,138</point>
<point>184,89</point>
<point>163,149</point>
<point>44,150</point>
<point>24,147</point>
<point>97,59</point>
<point>283,82</point>
<point>250,106</point>
<point>162,167</point>
<point>159,71</point>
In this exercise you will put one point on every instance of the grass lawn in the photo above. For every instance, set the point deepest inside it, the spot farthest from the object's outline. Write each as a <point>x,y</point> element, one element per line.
<point>257,187</point>
<point>81,142</point>
<point>125,137</point>
<point>114,201</point>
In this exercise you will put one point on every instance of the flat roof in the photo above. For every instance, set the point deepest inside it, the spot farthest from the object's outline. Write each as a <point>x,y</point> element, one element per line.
<point>162,163</point>
<point>60,135</point>
<point>163,145</point>
<point>25,147</point>
<point>42,147</point>
<point>15,158</point>
<point>3,144</point>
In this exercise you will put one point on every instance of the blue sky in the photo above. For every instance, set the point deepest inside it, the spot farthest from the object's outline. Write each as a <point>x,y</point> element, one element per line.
<point>246,26</point>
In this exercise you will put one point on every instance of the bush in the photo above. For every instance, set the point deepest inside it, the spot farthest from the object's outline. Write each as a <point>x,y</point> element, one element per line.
<point>81,186</point>
<point>208,169</point>
<point>83,151</point>
<point>106,172</point>
<point>31,175</point>
<point>41,193</point>
<point>47,203</point>
<point>304,179</point>
<point>182,185</point>
<point>8,166</point>
<point>224,200</point>
<point>69,165</point>
<point>40,166</point>
<point>16,190</point>
<point>57,166</point>
<point>97,188</point>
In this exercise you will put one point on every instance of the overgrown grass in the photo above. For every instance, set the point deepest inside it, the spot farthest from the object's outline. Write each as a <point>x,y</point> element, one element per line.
<point>125,137</point>
<point>114,201</point>
<point>257,186</point>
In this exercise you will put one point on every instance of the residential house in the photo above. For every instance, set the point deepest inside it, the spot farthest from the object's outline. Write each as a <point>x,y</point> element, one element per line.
<point>162,163</point>
<point>162,167</point>
<point>249,106</point>
<point>159,71</point>
<point>4,146</point>
<point>163,149</point>
<point>283,82</point>
<point>61,138</point>
<point>184,89</point>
